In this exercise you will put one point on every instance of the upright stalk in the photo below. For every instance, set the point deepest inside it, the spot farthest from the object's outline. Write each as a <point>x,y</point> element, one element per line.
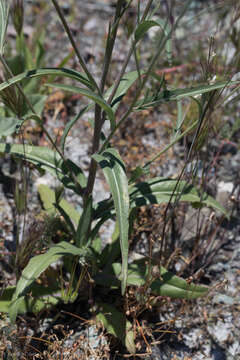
<point>161,46</point>
<point>99,116</point>
<point>128,57</point>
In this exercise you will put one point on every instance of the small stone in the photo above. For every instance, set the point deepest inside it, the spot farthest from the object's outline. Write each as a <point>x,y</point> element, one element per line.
<point>234,349</point>
<point>221,331</point>
<point>223,299</point>
<point>90,25</point>
<point>225,186</point>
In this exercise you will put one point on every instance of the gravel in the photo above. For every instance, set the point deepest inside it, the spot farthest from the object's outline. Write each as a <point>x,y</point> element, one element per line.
<point>210,328</point>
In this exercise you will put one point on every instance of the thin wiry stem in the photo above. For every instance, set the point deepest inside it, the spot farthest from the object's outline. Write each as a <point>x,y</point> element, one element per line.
<point>161,46</point>
<point>128,57</point>
<point>71,39</point>
<point>199,127</point>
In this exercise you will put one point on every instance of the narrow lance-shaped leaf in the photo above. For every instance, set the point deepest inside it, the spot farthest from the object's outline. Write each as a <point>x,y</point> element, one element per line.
<point>73,74</point>
<point>41,298</point>
<point>178,94</point>
<point>9,126</point>
<point>116,324</point>
<point>48,160</point>
<point>114,171</point>
<point>160,190</point>
<point>165,284</point>
<point>48,198</point>
<point>70,124</point>
<point>84,224</point>
<point>144,26</point>
<point>126,82</point>
<point>36,266</point>
<point>92,96</point>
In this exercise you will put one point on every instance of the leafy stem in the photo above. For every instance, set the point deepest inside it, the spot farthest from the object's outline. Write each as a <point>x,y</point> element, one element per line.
<point>162,42</point>
<point>99,116</point>
<point>128,57</point>
<point>71,39</point>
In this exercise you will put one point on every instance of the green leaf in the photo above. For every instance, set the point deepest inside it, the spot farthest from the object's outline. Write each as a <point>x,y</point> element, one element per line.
<point>40,52</point>
<point>84,224</point>
<point>40,298</point>
<point>144,26</point>
<point>36,266</point>
<point>48,160</point>
<point>69,125</point>
<point>116,324</point>
<point>161,190</point>
<point>178,94</point>
<point>96,246</point>
<point>48,71</point>
<point>126,82</point>
<point>68,222</point>
<point>48,198</point>
<point>92,96</point>
<point>38,103</point>
<point>111,251</point>
<point>114,172</point>
<point>138,172</point>
<point>9,126</point>
<point>166,284</point>
<point>16,64</point>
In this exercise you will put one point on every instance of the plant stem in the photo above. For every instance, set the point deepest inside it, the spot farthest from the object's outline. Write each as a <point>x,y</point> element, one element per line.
<point>161,46</point>
<point>122,72</point>
<point>171,144</point>
<point>93,166</point>
<point>112,34</point>
<point>197,132</point>
<point>80,59</point>
<point>95,146</point>
<point>99,116</point>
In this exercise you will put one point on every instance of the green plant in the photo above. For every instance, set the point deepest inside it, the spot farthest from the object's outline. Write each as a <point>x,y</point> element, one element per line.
<point>103,266</point>
<point>28,56</point>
